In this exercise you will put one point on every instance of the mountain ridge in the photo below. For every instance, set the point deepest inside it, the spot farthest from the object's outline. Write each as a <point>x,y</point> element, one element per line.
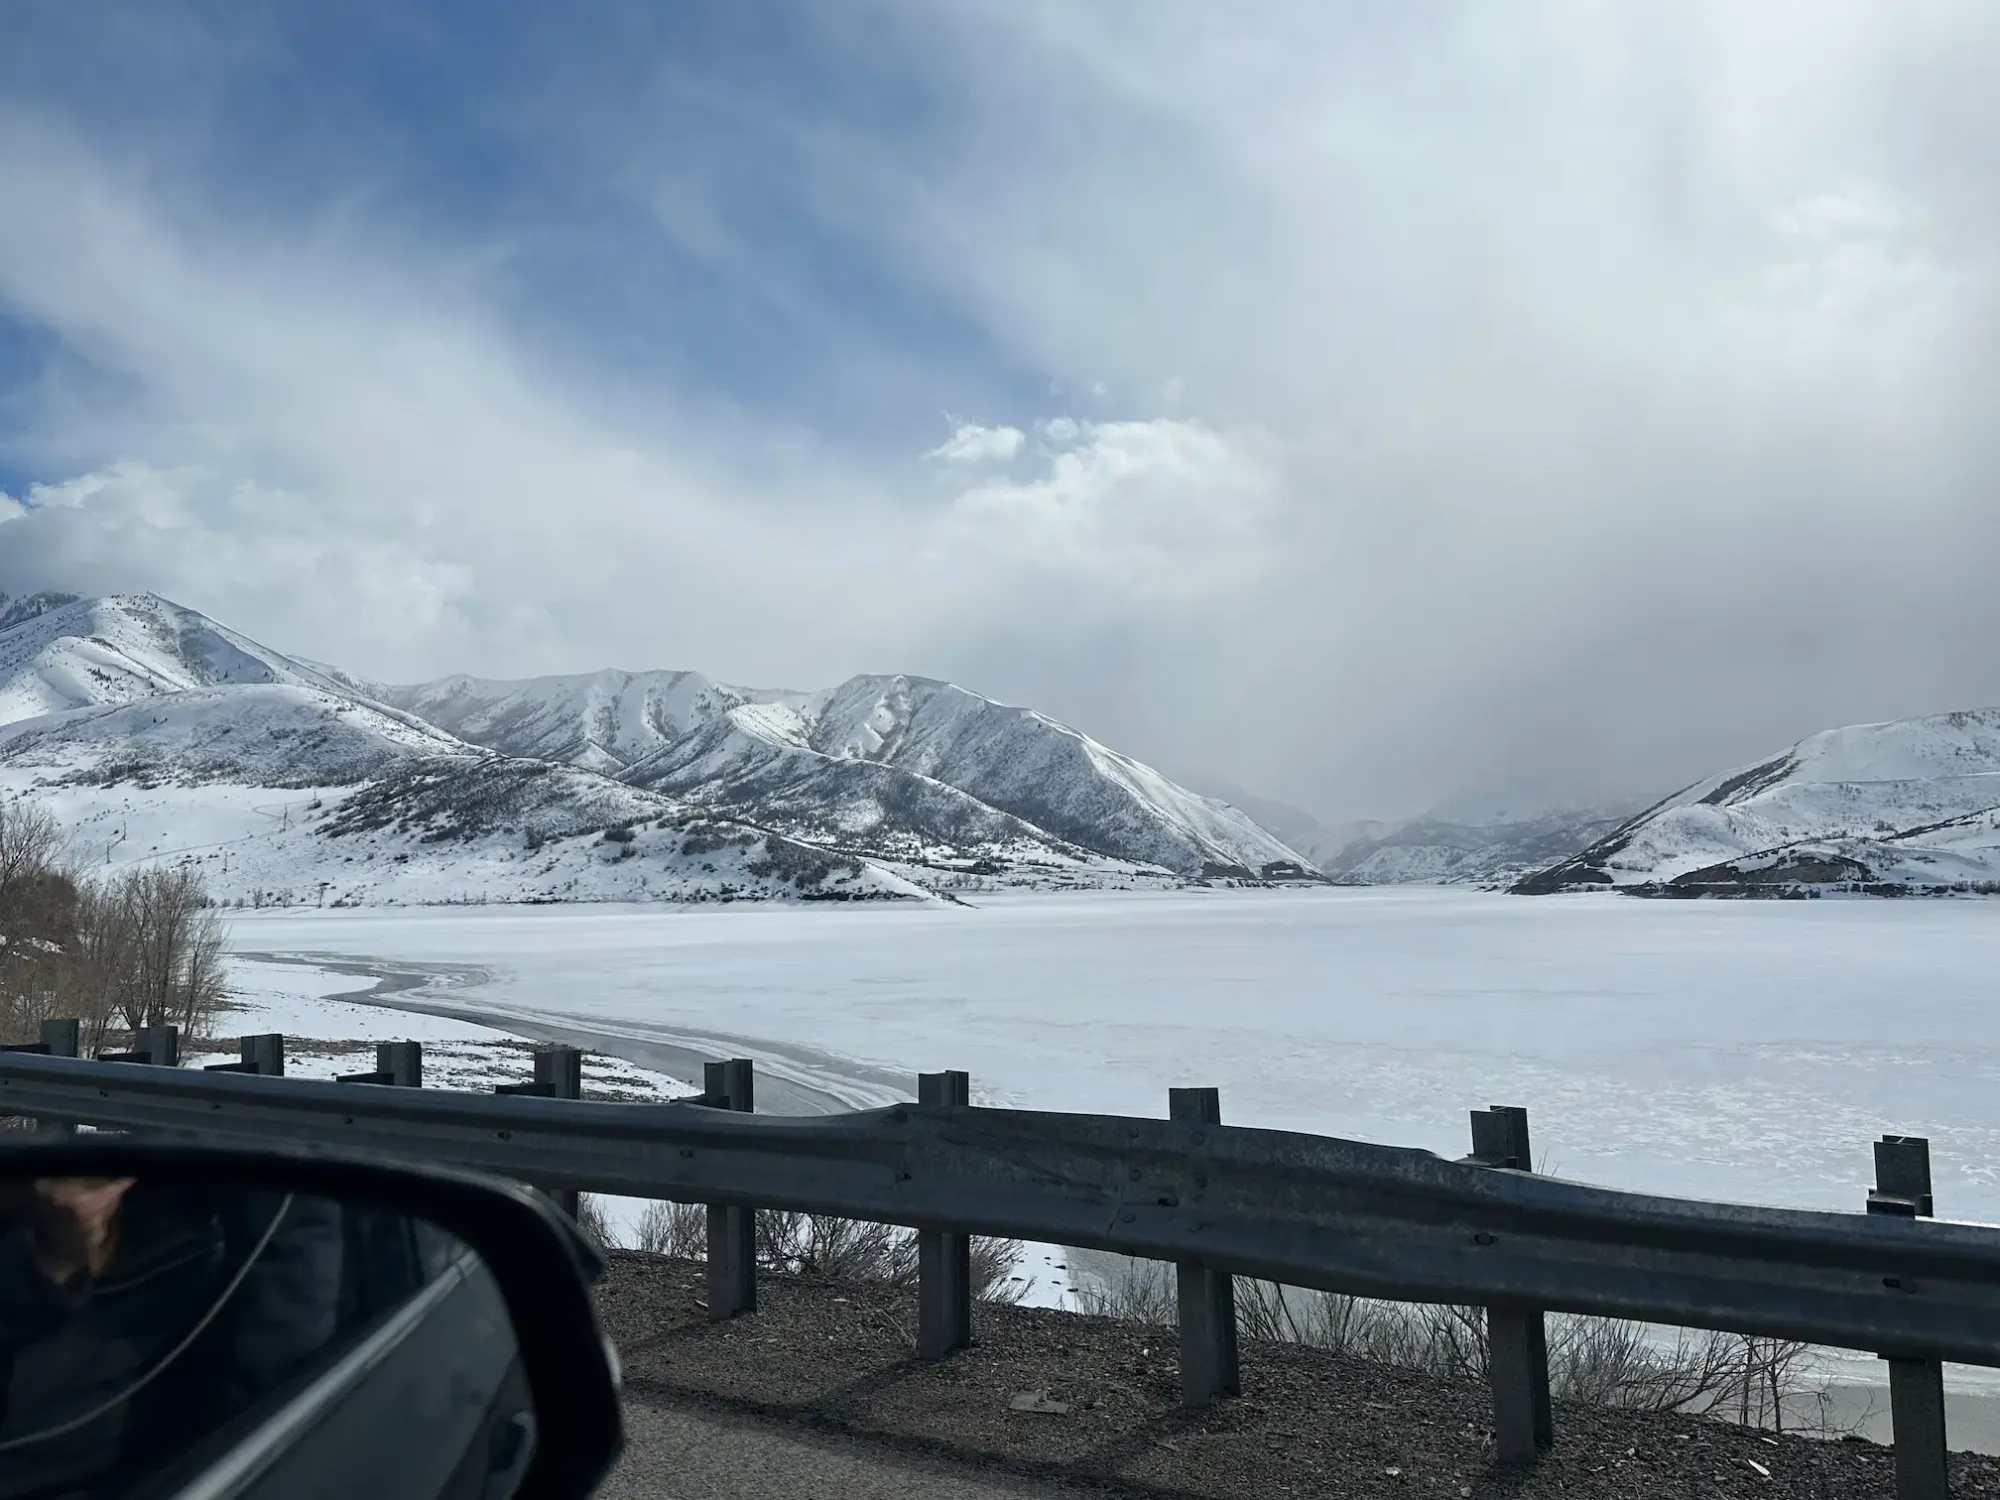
<point>120,700</point>
<point>1910,804</point>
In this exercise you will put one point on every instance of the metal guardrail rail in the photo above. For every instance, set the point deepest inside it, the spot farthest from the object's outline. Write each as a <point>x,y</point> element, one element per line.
<point>1301,1210</point>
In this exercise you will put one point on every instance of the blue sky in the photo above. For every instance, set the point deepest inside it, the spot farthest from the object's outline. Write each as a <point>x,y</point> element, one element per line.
<point>513,142</point>
<point>1369,404</point>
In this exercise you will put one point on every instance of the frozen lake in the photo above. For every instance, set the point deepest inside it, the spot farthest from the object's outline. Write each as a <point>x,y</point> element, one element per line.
<point>1734,1050</point>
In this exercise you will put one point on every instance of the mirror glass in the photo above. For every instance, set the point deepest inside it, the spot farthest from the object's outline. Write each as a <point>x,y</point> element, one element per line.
<point>161,1333</point>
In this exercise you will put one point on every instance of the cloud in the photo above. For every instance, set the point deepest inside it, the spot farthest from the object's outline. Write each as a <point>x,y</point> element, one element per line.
<point>1579,397</point>
<point>1151,510</point>
<point>973,444</point>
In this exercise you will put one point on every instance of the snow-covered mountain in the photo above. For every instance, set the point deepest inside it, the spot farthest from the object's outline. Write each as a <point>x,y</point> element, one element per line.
<point>602,721</point>
<point>1912,803</point>
<point>1490,836</point>
<point>155,732</point>
<point>59,652</point>
<point>151,733</point>
<point>1437,849</point>
<point>899,767</point>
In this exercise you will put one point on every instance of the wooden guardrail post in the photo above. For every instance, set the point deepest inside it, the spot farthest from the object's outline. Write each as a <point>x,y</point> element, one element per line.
<point>1916,1386</point>
<point>160,1045</point>
<point>1209,1366</point>
<point>157,1045</point>
<point>401,1065</point>
<point>262,1054</point>
<point>62,1038</point>
<point>402,1061</point>
<point>944,1259</point>
<point>558,1075</point>
<point>732,1228</point>
<point>58,1039</point>
<point>1517,1349</point>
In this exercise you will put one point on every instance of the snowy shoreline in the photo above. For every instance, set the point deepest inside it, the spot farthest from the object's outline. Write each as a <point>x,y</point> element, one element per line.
<point>331,1027</point>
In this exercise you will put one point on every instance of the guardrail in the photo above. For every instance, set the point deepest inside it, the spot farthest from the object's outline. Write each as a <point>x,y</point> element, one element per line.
<point>1218,1200</point>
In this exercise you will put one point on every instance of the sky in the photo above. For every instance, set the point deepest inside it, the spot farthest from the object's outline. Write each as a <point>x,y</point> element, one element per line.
<point>1363,404</point>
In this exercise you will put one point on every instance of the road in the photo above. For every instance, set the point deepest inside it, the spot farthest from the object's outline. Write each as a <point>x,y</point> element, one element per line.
<point>673,1453</point>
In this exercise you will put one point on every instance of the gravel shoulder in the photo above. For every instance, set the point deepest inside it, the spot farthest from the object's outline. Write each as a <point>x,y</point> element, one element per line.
<point>821,1363</point>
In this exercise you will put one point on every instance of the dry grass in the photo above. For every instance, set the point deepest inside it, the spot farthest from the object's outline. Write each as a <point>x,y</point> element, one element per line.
<point>1602,1361</point>
<point>820,1248</point>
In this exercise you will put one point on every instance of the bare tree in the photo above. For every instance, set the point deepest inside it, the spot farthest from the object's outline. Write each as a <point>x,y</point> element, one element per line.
<point>31,849</point>
<point>172,974</point>
<point>38,918</point>
<point>144,948</point>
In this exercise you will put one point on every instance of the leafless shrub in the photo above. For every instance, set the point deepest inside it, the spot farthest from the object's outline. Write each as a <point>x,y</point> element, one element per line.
<point>590,1219</point>
<point>994,1267</point>
<point>679,1230</point>
<point>841,1251</point>
<point>1141,1291</point>
<point>1604,1361</point>
<point>846,1252</point>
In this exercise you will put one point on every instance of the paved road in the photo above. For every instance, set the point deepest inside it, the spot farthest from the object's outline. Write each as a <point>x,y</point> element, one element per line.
<point>677,1454</point>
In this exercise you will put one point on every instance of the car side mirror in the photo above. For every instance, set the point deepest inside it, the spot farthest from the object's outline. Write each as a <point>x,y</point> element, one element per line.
<point>193,1320</point>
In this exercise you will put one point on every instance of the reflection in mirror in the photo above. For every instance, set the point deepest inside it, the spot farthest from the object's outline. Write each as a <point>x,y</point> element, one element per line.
<point>161,1336</point>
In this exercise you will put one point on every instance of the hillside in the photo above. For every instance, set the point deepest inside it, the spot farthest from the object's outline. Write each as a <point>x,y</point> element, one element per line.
<point>152,733</point>
<point>894,766</point>
<point>155,732</point>
<point>1911,804</point>
<point>1436,850</point>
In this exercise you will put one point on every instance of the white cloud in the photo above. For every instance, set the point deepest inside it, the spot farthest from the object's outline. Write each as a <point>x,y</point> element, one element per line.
<point>972,444</point>
<point>340,458</point>
<point>1590,364</point>
<point>1152,511</point>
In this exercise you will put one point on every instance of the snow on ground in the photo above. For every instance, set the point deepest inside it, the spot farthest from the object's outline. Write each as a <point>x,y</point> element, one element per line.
<point>1747,1051</point>
<point>326,1036</point>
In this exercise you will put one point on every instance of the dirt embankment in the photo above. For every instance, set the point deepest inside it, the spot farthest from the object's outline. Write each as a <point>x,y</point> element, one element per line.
<point>1096,1403</point>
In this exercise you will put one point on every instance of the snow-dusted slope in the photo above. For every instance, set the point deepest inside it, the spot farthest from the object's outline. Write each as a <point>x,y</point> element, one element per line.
<point>1912,802</point>
<point>1043,772</point>
<point>135,692</point>
<point>1433,850</point>
<point>471,830</point>
<point>755,761</point>
<point>93,653</point>
<point>257,734</point>
<point>153,733</point>
<point>604,721</point>
<point>903,767</point>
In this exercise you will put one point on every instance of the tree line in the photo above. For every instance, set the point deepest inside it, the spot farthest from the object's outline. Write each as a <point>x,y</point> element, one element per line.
<point>142,947</point>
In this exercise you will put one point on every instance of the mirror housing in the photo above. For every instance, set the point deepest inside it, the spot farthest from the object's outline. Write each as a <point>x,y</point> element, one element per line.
<point>536,1258</point>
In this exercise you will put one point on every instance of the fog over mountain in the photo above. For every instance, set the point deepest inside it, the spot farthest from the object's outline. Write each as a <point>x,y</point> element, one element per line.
<point>1371,404</point>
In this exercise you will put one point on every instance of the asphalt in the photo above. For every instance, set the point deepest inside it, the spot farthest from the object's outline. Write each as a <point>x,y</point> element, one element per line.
<point>674,1453</point>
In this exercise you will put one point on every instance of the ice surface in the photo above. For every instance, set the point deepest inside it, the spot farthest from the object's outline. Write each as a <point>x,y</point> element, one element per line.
<point>1748,1051</point>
